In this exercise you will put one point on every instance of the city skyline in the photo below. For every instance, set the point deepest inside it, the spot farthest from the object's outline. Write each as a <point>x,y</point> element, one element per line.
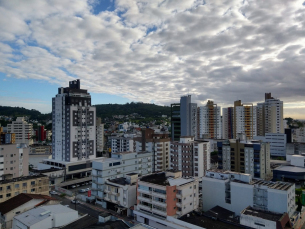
<point>155,52</point>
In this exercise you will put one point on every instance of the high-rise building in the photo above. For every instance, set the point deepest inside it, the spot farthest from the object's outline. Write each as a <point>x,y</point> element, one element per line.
<point>99,135</point>
<point>277,143</point>
<point>22,130</point>
<point>244,119</point>
<point>157,143</point>
<point>270,116</point>
<point>175,122</point>
<point>41,134</point>
<point>121,144</point>
<point>210,121</point>
<point>190,157</point>
<point>188,116</point>
<point>251,157</point>
<point>228,123</point>
<point>73,124</point>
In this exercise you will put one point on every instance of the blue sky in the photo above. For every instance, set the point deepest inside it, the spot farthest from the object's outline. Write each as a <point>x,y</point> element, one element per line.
<point>153,51</point>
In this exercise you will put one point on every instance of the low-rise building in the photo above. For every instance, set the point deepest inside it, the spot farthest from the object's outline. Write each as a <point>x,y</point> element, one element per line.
<point>118,166</point>
<point>38,184</point>
<point>120,193</point>
<point>14,159</point>
<point>55,175</point>
<point>121,144</point>
<point>22,130</point>
<point>7,138</point>
<point>50,216</point>
<point>255,218</point>
<point>236,191</point>
<point>21,203</point>
<point>165,194</point>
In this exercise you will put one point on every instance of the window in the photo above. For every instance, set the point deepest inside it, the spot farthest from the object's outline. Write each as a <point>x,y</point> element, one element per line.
<point>8,187</point>
<point>16,185</point>
<point>33,190</point>
<point>8,195</point>
<point>1,196</point>
<point>24,184</point>
<point>32,182</point>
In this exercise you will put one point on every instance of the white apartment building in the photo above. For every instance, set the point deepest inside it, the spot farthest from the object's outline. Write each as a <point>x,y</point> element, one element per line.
<point>120,193</point>
<point>245,121</point>
<point>236,191</point>
<point>209,119</point>
<point>73,124</point>
<point>165,194</point>
<point>121,144</point>
<point>188,116</point>
<point>300,134</point>
<point>99,135</point>
<point>190,157</point>
<point>22,130</point>
<point>118,166</point>
<point>270,116</point>
<point>277,143</point>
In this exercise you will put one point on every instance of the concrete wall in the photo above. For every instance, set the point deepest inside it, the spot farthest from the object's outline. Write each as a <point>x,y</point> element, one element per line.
<point>255,222</point>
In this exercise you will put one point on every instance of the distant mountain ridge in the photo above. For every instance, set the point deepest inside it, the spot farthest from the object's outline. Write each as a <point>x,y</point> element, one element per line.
<point>102,110</point>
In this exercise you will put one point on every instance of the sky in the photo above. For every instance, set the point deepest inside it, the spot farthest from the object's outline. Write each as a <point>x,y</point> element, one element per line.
<point>153,51</point>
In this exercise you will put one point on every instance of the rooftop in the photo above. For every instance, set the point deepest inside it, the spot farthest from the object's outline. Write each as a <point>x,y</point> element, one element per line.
<point>290,168</point>
<point>22,179</point>
<point>222,213</point>
<point>156,178</point>
<point>206,222</point>
<point>131,174</point>
<point>262,214</point>
<point>81,223</point>
<point>120,181</point>
<point>19,200</point>
<point>45,170</point>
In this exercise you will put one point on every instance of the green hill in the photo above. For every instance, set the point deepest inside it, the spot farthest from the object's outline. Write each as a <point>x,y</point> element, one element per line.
<point>102,110</point>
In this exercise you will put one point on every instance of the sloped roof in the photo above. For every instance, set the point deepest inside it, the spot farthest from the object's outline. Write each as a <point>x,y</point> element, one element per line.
<point>19,200</point>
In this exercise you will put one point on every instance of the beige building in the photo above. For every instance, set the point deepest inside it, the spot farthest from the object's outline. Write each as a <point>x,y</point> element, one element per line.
<point>100,142</point>
<point>14,159</point>
<point>40,149</point>
<point>38,184</point>
<point>23,131</point>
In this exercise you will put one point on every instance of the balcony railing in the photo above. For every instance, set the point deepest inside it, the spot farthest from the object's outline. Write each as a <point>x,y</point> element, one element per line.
<point>148,200</point>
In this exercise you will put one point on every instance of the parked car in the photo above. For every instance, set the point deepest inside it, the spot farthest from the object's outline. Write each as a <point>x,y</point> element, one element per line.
<point>73,186</point>
<point>77,185</point>
<point>53,192</point>
<point>75,201</point>
<point>82,190</point>
<point>83,184</point>
<point>87,189</point>
<point>90,182</point>
<point>87,183</point>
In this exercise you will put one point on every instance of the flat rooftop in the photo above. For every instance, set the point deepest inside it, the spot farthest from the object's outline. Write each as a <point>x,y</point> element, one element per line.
<point>262,214</point>
<point>290,168</point>
<point>22,178</point>
<point>156,178</point>
<point>120,181</point>
<point>46,170</point>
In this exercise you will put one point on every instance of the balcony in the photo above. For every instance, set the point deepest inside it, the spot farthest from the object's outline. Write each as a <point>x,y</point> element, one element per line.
<point>178,196</point>
<point>179,213</point>
<point>144,207</point>
<point>106,191</point>
<point>144,191</point>
<point>144,199</point>
<point>159,203</point>
<point>164,213</point>
<point>160,195</point>
<point>179,204</point>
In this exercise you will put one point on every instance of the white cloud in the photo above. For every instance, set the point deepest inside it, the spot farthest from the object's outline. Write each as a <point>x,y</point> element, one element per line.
<point>222,50</point>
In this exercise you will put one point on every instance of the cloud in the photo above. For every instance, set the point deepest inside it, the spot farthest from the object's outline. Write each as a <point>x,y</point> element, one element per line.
<point>160,50</point>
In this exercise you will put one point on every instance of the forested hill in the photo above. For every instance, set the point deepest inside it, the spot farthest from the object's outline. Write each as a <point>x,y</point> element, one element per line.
<point>102,110</point>
<point>144,109</point>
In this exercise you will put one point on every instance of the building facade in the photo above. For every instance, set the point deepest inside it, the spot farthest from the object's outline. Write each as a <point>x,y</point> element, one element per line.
<point>175,122</point>
<point>100,142</point>
<point>210,121</point>
<point>277,143</point>
<point>118,166</point>
<point>166,194</point>
<point>236,191</point>
<point>73,124</point>
<point>188,116</point>
<point>14,160</point>
<point>121,144</point>
<point>245,157</point>
<point>40,149</point>
<point>22,130</point>
<point>228,123</point>
<point>270,116</point>
<point>38,184</point>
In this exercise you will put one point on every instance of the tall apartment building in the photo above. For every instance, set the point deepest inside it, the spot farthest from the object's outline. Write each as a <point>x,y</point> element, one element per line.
<point>161,195</point>
<point>22,130</point>
<point>158,144</point>
<point>188,116</point>
<point>210,121</point>
<point>245,157</point>
<point>41,134</point>
<point>14,160</point>
<point>175,122</point>
<point>99,135</point>
<point>236,191</point>
<point>270,116</point>
<point>121,144</point>
<point>38,184</point>
<point>190,157</point>
<point>228,123</point>
<point>118,166</point>
<point>244,121</point>
<point>73,124</point>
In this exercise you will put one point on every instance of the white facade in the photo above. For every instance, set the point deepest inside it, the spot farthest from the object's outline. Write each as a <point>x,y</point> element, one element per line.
<point>73,125</point>
<point>235,192</point>
<point>300,134</point>
<point>256,222</point>
<point>297,160</point>
<point>277,143</point>
<point>210,122</point>
<point>22,129</point>
<point>202,158</point>
<point>45,217</point>
<point>118,166</point>
<point>121,144</point>
<point>245,118</point>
